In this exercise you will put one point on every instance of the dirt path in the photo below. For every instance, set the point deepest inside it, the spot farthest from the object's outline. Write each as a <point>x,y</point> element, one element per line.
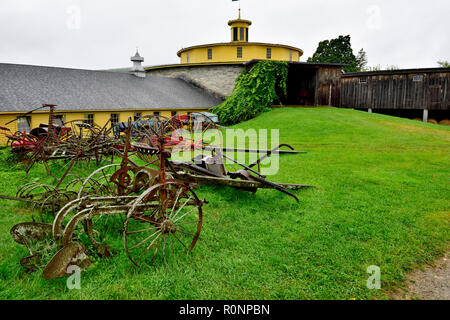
<point>431,284</point>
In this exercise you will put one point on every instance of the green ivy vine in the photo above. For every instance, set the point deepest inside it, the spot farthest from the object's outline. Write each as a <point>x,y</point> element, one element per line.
<point>256,91</point>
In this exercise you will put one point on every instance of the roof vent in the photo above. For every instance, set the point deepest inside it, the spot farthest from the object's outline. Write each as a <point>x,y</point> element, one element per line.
<point>137,68</point>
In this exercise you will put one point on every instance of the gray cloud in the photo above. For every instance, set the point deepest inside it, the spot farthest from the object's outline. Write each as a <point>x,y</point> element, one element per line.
<point>99,34</point>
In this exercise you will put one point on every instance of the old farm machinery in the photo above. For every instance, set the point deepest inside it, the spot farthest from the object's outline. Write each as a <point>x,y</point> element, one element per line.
<point>75,140</point>
<point>70,142</point>
<point>152,204</point>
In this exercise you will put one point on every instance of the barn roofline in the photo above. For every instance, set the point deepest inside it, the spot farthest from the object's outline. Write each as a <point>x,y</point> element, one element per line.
<point>393,72</point>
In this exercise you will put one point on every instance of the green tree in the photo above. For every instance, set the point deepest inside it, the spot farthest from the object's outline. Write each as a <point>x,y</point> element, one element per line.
<point>337,51</point>
<point>444,64</point>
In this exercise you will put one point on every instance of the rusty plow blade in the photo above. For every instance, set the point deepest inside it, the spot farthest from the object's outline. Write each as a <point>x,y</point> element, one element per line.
<point>73,254</point>
<point>26,233</point>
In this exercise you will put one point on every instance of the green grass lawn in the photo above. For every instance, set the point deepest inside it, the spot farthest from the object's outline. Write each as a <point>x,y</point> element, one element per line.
<point>382,198</point>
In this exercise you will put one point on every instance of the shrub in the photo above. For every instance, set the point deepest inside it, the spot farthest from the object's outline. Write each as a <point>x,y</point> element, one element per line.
<point>255,92</point>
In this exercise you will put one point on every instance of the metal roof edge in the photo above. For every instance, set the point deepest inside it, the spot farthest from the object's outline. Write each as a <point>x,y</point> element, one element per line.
<point>391,72</point>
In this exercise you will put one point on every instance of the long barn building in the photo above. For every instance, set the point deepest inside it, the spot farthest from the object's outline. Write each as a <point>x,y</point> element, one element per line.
<point>423,93</point>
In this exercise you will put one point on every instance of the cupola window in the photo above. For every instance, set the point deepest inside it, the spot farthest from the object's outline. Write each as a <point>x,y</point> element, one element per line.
<point>235,34</point>
<point>242,34</point>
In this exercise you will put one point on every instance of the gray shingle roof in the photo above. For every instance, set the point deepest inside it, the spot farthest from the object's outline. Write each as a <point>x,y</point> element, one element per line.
<point>24,87</point>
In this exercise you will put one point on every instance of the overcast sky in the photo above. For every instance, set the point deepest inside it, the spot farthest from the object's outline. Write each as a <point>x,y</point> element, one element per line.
<point>100,34</point>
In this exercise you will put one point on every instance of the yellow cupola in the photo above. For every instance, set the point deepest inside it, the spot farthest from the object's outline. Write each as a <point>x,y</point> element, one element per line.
<point>239,49</point>
<point>239,29</point>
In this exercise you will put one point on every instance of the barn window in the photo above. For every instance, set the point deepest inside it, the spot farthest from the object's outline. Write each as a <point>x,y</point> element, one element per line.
<point>209,54</point>
<point>363,80</point>
<point>89,119</point>
<point>24,124</point>
<point>239,52</point>
<point>59,120</point>
<point>114,119</point>
<point>137,116</point>
<point>418,78</point>
<point>188,57</point>
<point>269,53</point>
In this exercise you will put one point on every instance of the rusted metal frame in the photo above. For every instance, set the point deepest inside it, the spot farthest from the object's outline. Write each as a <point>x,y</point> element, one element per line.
<point>268,154</point>
<point>273,185</point>
<point>85,202</point>
<point>72,164</point>
<point>243,165</point>
<point>193,168</point>
<point>254,150</point>
<point>18,199</point>
<point>236,183</point>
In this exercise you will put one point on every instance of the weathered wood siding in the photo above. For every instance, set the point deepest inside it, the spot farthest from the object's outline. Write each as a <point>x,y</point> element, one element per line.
<point>396,91</point>
<point>328,86</point>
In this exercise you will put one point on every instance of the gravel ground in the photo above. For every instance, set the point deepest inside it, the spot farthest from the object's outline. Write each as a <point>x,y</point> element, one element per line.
<point>433,283</point>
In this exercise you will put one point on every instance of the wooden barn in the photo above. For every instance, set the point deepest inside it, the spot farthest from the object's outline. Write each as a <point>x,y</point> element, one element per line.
<point>412,93</point>
<point>311,84</point>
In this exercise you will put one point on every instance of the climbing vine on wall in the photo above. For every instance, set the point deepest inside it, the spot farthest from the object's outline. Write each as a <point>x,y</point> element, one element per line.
<point>255,92</point>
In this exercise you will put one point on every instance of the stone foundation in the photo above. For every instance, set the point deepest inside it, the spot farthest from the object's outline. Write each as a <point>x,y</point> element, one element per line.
<point>218,80</point>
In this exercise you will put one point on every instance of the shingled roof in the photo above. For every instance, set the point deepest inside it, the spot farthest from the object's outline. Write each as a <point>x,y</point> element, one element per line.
<point>24,87</point>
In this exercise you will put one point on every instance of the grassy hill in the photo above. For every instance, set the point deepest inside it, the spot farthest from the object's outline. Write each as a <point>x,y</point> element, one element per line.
<point>382,198</point>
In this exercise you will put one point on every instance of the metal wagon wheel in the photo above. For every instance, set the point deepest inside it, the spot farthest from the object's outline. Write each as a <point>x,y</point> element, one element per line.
<point>53,202</point>
<point>174,222</point>
<point>99,182</point>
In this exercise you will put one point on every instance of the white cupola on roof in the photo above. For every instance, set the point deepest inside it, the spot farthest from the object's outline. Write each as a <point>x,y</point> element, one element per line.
<point>137,68</point>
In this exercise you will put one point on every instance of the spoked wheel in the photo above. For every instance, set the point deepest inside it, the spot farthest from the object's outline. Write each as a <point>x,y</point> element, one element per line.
<point>56,200</point>
<point>99,182</point>
<point>166,217</point>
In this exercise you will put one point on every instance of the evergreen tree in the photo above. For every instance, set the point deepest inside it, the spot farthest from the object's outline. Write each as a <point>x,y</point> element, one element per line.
<point>362,60</point>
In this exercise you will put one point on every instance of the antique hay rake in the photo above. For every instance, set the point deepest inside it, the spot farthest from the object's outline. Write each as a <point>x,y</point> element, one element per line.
<point>153,205</point>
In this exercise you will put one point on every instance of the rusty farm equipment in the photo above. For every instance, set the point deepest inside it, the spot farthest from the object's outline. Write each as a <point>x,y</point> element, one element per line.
<point>160,213</point>
<point>74,141</point>
<point>153,205</point>
<point>71,142</point>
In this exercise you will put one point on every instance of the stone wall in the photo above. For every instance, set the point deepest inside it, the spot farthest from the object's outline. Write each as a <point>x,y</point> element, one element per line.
<point>219,80</point>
